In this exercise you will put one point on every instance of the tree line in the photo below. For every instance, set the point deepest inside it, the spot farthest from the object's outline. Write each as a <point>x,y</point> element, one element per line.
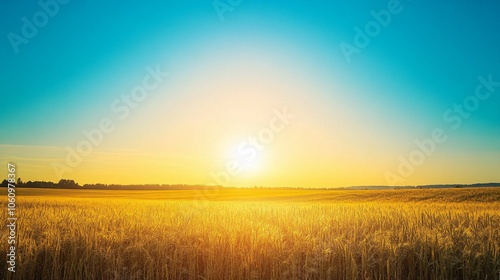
<point>71,184</point>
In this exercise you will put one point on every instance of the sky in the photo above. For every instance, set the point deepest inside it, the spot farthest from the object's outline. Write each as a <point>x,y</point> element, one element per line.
<point>251,93</point>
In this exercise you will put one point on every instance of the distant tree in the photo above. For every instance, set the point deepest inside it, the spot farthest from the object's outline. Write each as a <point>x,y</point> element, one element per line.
<point>19,182</point>
<point>5,183</point>
<point>40,184</point>
<point>67,184</point>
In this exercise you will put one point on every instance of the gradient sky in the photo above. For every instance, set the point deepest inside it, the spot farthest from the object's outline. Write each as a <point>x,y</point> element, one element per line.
<point>353,123</point>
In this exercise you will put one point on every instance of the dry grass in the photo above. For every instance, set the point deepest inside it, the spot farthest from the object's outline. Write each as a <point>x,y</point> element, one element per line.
<point>258,234</point>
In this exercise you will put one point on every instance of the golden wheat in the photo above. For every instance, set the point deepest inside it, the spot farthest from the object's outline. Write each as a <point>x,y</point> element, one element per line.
<point>258,237</point>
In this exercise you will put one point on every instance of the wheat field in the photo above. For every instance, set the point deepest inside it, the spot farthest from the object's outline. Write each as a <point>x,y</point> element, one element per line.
<point>257,234</point>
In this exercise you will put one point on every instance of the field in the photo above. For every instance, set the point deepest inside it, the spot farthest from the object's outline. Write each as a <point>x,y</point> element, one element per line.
<point>257,234</point>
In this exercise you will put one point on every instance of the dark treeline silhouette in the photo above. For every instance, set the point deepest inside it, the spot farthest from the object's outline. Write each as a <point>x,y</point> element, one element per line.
<point>71,184</point>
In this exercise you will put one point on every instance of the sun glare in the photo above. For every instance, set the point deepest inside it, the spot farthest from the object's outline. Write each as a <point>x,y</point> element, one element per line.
<point>248,159</point>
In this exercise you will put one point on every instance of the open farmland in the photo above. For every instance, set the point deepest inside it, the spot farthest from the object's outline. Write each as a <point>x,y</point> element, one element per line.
<point>257,234</point>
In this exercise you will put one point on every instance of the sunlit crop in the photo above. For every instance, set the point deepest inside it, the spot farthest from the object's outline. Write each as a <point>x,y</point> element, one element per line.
<point>420,234</point>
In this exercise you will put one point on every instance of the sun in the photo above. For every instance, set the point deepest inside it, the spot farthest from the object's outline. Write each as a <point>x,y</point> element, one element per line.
<point>252,166</point>
<point>249,159</point>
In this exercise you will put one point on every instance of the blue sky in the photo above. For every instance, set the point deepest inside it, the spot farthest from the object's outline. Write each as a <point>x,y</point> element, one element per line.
<point>394,91</point>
